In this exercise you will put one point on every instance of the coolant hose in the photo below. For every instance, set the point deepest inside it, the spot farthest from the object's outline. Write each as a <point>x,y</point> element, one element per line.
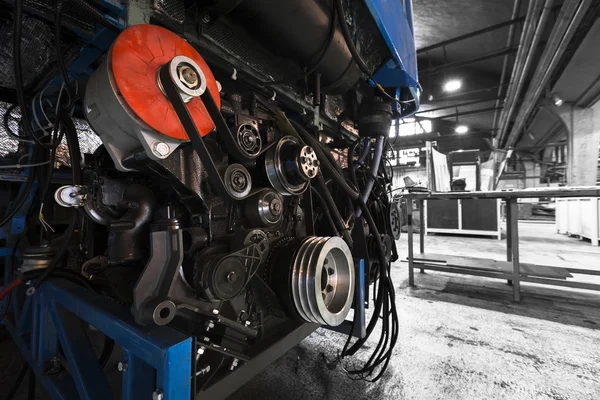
<point>378,152</point>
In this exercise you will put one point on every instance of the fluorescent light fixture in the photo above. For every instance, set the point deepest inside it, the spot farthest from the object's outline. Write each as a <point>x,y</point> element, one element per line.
<point>461,129</point>
<point>452,85</point>
<point>557,100</point>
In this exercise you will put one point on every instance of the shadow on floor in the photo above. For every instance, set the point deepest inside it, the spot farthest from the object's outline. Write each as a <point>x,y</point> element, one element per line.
<point>564,306</point>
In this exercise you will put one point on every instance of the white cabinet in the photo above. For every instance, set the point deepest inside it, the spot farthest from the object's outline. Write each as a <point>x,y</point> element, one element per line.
<point>579,216</point>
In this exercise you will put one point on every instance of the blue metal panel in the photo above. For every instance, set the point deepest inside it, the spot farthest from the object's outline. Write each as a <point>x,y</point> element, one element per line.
<point>136,378</point>
<point>394,19</point>
<point>158,357</point>
<point>89,379</point>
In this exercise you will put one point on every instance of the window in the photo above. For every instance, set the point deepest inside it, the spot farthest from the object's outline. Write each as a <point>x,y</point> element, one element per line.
<point>409,127</point>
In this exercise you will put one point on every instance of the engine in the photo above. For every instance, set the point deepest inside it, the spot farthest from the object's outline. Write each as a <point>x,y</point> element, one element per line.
<point>218,205</point>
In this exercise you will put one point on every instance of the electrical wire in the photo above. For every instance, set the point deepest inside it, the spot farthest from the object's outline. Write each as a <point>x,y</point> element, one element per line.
<point>18,381</point>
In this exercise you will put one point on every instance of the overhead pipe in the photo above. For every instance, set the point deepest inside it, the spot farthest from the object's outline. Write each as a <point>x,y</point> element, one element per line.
<point>527,35</point>
<point>469,35</point>
<point>539,31</point>
<point>467,103</point>
<point>446,67</point>
<point>569,19</point>
<point>509,41</point>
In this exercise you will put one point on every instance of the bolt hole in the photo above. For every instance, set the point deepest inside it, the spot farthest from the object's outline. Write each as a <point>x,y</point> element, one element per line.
<point>164,313</point>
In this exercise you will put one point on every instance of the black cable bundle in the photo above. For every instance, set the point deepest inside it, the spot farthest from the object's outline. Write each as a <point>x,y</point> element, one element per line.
<point>385,304</point>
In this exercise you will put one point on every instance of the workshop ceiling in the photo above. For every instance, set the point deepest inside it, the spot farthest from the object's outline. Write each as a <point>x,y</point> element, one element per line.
<point>467,41</point>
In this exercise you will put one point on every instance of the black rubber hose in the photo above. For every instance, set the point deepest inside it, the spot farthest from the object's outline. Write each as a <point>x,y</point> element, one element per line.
<point>326,211</point>
<point>337,218</point>
<point>21,197</point>
<point>348,38</point>
<point>59,55</point>
<point>31,388</point>
<point>17,384</point>
<point>107,350</point>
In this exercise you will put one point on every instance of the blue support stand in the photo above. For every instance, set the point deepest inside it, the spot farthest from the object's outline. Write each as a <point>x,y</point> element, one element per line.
<point>159,359</point>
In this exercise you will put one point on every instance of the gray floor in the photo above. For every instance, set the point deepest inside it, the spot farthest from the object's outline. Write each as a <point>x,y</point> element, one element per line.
<point>460,338</point>
<point>463,338</point>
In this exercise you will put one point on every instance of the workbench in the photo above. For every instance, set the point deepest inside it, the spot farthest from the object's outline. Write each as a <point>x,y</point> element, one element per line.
<point>519,272</point>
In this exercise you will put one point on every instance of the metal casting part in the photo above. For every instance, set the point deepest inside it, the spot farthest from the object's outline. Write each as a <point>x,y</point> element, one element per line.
<point>322,280</point>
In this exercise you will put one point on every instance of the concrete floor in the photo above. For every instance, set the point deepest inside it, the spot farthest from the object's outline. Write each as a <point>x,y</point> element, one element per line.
<point>461,337</point>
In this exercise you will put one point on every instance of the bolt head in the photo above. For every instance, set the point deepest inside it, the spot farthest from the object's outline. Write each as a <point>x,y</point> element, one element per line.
<point>161,149</point>
<point>188,76</point>
<point>206,18</point>
<point>157,395</point>
<point>329,288</point>
<point>231,276</point>
<point>275,206</point>
<point>122,366</point>
<point>201,350</point>
<point>330,271</point>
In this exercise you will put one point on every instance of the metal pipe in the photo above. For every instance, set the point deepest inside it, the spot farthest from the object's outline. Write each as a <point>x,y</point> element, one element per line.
<point>377,153</point>
<point>471,112</point>
<point>471,34</point>
<point>571,14</point>
<point>509,40</point>
<point>458,64</point>
<point>528,60</point>
<point>468,103</point>
<point>533,9</point>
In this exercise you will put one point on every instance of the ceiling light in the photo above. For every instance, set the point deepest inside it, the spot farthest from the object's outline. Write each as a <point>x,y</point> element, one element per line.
<point>557,100</point>
<point>461,129</point>
<point>452,86</point>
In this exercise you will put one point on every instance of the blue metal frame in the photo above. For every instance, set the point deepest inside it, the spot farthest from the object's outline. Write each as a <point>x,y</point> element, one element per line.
<point>395,22</point>
<point>158,358</point>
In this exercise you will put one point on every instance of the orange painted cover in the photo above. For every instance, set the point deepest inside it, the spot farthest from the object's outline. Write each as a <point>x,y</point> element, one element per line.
<point>137,54</point>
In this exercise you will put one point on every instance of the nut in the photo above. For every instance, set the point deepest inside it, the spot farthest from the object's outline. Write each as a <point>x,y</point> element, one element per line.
<point>157,395</point>
<point>122,366</point>
<point>161,149</point>
<point>188,76</point>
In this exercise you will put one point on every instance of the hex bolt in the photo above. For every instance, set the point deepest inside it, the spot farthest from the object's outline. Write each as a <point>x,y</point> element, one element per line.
<point>188,76</point>
<point>234,364</point>
<point>330,271</point>
<point>215,311</point>
<point>210,325</point>
<point>157,395</point>
<point>329,288</point>
<point>200,352</point>
<point>203,371</point>
<point>122,366</point>
<point>161,149</point>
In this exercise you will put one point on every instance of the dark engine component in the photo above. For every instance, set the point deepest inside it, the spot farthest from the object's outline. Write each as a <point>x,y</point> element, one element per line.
<point>264,208</point>
<point>249,139</point>
<point>375,117</point>
<point>125,240</point>
<point>318,286</point>
<point>290,166</point>
<point>304,33</point>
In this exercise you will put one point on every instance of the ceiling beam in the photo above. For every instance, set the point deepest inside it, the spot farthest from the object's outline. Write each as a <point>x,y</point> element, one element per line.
<point>468,103</point>
<point>462,113</point>
<point>470,35</point>
<point>457,64</point>
<point>570,16</point>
